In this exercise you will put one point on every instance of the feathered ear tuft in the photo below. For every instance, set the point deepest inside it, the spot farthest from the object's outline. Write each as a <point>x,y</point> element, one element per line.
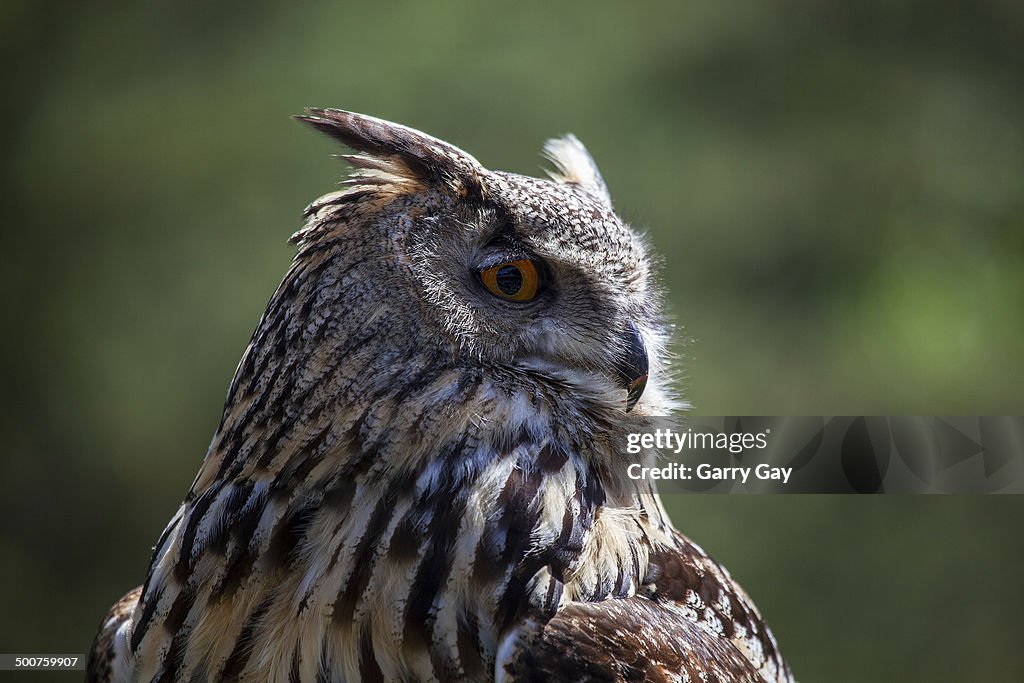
<point>408,152</point>
<point>575,166</point>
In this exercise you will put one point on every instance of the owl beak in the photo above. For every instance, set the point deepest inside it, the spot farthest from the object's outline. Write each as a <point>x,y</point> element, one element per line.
<point>632,367</point>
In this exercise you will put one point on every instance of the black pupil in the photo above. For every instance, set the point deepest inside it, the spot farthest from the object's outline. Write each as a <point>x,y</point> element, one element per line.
<point>510,280</point>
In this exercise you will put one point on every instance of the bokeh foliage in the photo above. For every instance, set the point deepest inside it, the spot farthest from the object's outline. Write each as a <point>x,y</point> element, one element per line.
<point>837,190</point>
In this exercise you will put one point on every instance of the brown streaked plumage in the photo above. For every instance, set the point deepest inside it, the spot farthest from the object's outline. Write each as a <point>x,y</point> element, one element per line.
<point>415,476</point>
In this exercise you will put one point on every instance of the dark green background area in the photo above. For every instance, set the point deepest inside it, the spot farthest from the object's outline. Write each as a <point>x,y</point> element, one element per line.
<point>837,190</point>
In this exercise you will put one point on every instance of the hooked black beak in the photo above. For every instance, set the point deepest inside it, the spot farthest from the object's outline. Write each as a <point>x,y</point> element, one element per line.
<point>632,367</point>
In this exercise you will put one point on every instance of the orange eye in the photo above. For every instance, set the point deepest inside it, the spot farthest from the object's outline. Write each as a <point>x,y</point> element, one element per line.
<point>514,281</point>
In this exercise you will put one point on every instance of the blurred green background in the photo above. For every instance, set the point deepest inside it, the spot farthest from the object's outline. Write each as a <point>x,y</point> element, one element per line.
<point>837,190</point>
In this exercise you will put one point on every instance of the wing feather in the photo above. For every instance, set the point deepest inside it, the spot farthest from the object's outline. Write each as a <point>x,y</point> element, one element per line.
<point>632,639</point>
<point>690,621</point>
<point>104,661</point>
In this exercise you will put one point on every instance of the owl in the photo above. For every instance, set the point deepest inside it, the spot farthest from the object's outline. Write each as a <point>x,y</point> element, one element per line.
<point>416,476</point>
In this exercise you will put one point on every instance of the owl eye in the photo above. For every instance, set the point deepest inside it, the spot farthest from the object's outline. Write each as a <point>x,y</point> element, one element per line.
<point>514,281</point>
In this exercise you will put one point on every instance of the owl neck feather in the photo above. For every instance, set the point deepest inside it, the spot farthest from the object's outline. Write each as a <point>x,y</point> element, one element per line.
<point>402,530</point>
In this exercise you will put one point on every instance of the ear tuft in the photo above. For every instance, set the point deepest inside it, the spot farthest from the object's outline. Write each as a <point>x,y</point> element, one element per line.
<point>575,166</point>
<point>416,155</point>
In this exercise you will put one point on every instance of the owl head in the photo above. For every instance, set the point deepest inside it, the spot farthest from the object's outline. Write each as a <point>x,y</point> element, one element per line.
<point>536,281</point>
